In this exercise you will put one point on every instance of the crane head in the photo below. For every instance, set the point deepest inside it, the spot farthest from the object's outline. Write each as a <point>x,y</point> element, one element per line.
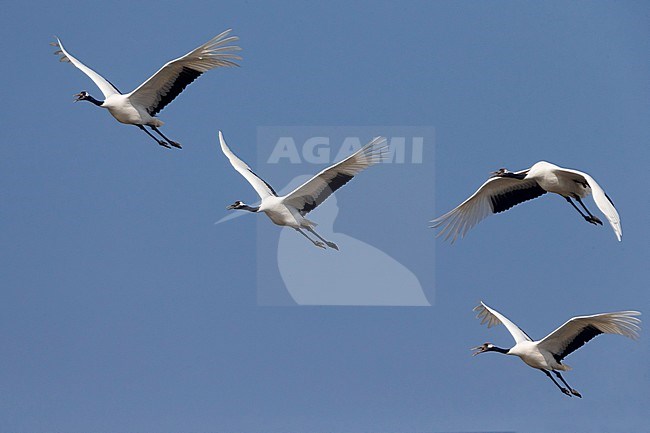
<point>81,96</point>
<point>236,205</point>
<point>486,347</point>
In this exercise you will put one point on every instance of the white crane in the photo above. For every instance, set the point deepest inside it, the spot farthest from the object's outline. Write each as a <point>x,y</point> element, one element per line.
<point>290,210</point>
<point>506,189</point>
<point>547,354</point>
<point>140,107</point>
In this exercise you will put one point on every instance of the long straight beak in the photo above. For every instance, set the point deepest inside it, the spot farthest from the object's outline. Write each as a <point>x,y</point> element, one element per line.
<point>77,97</point>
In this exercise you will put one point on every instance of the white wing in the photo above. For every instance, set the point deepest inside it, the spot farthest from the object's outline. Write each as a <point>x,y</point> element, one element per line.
<point>496,195</point>
<point>579,330</point>
<point>104,85</point>
<point>263,189</point>
<point>313,192</point>
<point>603,202</point>
<point>493,317</point>
<point>166,84</point>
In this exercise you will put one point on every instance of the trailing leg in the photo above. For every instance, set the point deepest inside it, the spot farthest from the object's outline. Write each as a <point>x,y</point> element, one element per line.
<point>589,218</point>
<point>160,142</point>
<point>173,143</point>
<point>318,244</point>
<point>329,244</point>
<point>573,391</point>
<point>592,219</point>
<point>564,390</point>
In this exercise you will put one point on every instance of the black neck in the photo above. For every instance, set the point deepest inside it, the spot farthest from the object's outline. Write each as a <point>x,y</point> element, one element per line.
<point>498,349</point>
<point>93,100</point>
<point>250,208</point>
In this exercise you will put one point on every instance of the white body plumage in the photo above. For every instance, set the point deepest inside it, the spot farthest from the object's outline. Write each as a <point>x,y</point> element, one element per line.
<point>123,110</point>
<point>277,210</point>
<point>531,354</point>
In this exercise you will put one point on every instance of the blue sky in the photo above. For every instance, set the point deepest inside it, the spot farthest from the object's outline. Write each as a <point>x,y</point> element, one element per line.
<point>125,308</point>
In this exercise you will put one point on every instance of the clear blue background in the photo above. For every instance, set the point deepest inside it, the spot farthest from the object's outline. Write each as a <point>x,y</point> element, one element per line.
<point>124,308</point>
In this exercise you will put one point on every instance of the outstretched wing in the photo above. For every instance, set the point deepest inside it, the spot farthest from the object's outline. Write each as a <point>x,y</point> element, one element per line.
<point>263,189</point>
<point>497,194</point>
<point>603,202</point>
<point>104,85</point>
<point>313,192</point>
<point>493,317</point>
<point>579,330</point>
<point>166,84</point>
